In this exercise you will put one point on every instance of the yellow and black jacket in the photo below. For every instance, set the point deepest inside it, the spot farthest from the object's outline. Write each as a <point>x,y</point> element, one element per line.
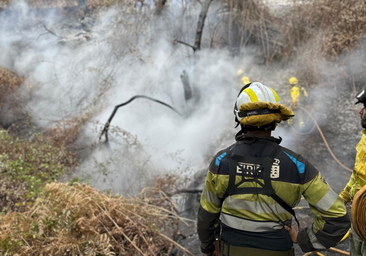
<point>296,91</point>
<point>255,219</point>
<point>358,177</point>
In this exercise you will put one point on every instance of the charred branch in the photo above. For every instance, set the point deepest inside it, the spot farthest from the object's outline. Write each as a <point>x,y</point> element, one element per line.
<point>106,126</point>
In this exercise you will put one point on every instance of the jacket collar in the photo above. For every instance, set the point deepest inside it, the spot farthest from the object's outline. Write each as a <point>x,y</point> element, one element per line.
<point>252,138</point>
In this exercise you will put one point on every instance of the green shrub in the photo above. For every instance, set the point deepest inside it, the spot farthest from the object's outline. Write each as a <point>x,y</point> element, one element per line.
<point>26,166</point>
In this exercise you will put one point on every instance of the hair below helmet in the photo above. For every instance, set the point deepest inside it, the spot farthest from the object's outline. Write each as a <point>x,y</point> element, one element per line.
<point>258,105</point>
<point>293,80</point>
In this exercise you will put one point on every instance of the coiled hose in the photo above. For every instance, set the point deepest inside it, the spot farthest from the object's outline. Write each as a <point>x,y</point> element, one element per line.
<point>358,213</point>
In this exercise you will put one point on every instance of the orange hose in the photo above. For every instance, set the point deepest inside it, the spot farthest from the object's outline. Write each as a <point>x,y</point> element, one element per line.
<point>343,166</point>
<point>325,141</point>
<point>339,251</point>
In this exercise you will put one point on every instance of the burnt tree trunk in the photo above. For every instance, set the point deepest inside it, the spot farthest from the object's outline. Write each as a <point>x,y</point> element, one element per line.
<point>201,23</point>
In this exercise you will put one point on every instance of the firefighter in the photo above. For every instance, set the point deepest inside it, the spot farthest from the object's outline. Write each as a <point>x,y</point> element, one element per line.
<point>252,186</point>
<point>297,95</point>
<point>243,79</point>
<point>358,177</point>
<point>296,92</point>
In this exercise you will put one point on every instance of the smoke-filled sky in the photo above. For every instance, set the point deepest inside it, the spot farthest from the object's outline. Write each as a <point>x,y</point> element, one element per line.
<point>126,54</point>
<point>77,66</point>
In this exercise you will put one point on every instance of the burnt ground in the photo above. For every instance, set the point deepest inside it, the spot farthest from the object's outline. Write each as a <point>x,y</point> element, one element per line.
<point>338,120</point>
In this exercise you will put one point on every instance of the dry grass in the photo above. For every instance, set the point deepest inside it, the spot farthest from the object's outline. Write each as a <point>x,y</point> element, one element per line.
<point>77,219</point>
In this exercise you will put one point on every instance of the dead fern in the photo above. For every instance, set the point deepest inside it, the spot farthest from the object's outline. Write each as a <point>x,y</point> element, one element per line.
<point>80,220</point>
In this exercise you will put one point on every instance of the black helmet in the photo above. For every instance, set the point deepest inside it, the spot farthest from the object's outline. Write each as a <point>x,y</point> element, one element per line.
<point>361,96</point>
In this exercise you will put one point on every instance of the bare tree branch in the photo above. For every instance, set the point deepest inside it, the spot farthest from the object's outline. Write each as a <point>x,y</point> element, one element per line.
<point>184,43</point>
<point>51,32</point>
<point>201,23</point>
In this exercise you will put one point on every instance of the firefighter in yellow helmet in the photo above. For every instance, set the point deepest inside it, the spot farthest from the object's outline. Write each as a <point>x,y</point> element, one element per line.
<point>297,95</point>
<point>243,79</point>
<point>252,186</point>
<point>358,177</point>
<point>296,91</point>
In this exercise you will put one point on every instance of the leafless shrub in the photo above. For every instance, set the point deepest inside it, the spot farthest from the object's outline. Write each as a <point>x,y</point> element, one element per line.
<point>9,82</point>
<point>10,108</point>
<point>74,3</point>
<point>339,24</point>
<point>331,27</point>
<point>250,22</point>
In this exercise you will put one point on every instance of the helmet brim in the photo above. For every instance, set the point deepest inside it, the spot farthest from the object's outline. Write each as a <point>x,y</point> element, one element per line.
<point>283,114</point>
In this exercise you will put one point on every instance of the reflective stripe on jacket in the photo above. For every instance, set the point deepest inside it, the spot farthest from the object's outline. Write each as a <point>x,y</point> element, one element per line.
<point>255,220</point>
<point>358,177</point>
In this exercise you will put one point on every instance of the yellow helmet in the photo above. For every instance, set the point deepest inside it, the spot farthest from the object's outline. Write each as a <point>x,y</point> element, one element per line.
<point>240,72</point>
<point>245,80</point>
<point>293,80</point>
<point>258,105</point>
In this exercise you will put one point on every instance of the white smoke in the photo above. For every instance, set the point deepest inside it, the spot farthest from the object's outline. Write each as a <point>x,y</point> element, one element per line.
<point>91,64</point>
<point>122,54</point>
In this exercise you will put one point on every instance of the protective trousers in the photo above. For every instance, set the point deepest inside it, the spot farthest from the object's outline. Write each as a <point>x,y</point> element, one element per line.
<point>230,250</point>
<point>356,245</point>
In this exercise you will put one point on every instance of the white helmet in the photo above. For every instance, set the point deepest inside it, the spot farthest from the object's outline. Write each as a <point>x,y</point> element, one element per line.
<point>258,105</point>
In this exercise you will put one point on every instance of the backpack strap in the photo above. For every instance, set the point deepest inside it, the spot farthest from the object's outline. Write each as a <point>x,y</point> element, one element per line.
<point>252,169</point>
<point>286,207</point>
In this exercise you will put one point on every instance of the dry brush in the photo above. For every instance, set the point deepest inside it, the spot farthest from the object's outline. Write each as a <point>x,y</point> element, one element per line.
<point>76,219</point>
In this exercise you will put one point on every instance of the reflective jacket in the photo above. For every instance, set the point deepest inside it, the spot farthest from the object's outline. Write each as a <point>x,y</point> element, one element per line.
<point>257,220</point>
<point>295,95</point>
<point>358,177</point>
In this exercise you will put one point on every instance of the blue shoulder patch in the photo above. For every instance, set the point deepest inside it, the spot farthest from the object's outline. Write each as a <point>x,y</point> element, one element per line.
<point>299,164</point>
<point>218,159</point>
